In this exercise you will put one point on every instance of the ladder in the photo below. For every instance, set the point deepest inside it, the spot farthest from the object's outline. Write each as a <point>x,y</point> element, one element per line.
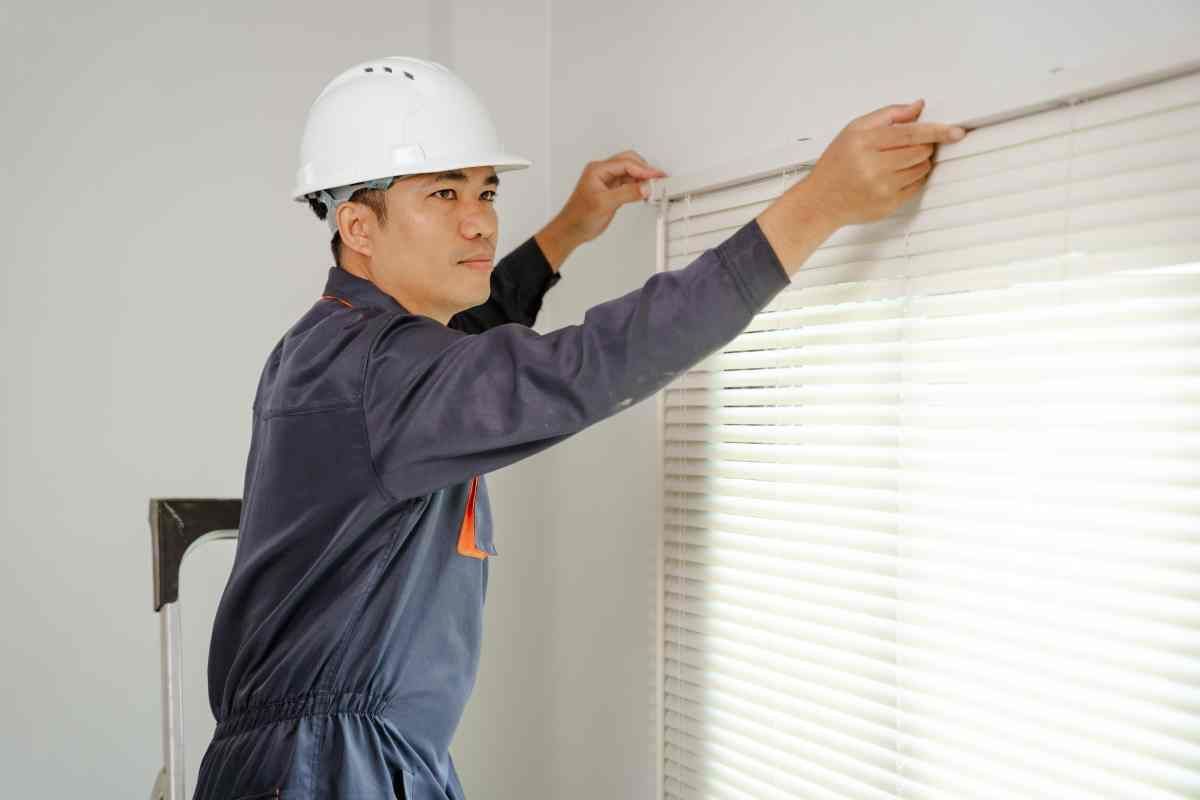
<point>176,526</point>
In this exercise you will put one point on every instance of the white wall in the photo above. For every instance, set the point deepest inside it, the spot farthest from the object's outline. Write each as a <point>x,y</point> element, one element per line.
<point>154,260</point>
<point>689,85</point>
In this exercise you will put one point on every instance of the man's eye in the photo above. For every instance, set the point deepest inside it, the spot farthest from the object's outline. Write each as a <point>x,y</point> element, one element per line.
<point>489,191</point>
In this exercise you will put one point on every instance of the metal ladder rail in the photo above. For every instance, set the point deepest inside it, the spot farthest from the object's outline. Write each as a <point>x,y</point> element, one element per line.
<point>176,526</point>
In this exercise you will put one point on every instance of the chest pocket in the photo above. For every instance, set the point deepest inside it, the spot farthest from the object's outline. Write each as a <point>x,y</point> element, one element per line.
<point>475,533</point>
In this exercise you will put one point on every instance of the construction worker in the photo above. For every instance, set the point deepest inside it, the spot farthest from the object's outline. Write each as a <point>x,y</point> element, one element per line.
<point>347,638</point>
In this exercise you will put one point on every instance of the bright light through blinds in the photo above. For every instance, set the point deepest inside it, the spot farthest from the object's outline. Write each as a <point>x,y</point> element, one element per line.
<point>932,523</point>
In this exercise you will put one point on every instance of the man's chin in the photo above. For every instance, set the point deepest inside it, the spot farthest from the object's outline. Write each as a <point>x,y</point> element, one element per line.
<point>477,299</point>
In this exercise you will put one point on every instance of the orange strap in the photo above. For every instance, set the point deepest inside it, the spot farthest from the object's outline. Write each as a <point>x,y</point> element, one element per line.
<point>340,300</point>
<point>466,534</point>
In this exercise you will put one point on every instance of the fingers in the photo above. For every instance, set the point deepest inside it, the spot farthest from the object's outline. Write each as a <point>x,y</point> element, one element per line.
<point>628,194</point>
<point>901,157</point>
<point>632,154</point>
<point>913,133</point>
<point>888,115</point>
<point>616,196</point>
<point>618,171</point>
<point>908,191</point>
<point>905,178</point>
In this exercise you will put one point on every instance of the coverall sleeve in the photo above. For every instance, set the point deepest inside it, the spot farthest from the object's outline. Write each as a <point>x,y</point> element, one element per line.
<point>519,281</point>
<point>442,406</point>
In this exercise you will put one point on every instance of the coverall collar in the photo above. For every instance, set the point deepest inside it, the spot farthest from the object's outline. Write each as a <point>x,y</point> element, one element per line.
<point>356,292</point>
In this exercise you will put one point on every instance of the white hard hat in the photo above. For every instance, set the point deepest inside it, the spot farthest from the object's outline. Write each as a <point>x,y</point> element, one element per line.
<point>389,117</point>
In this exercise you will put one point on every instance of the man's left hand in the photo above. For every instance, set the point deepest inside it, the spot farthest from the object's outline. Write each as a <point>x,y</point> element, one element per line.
<point>604,187</point>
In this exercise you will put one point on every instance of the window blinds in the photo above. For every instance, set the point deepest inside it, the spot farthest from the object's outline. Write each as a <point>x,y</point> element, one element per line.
<point>931,524</point>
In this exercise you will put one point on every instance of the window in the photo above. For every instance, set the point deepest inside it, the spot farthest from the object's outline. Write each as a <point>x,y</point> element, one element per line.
<point>931,524</point>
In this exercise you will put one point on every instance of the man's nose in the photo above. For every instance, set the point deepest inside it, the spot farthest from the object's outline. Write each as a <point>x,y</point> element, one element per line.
<point>479,221</point>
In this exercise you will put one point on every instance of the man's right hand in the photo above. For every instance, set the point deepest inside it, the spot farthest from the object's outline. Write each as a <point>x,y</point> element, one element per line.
<point>875,164</point>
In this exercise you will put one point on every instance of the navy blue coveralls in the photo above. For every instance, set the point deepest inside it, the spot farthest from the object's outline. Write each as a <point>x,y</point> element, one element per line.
<point>346,641</point>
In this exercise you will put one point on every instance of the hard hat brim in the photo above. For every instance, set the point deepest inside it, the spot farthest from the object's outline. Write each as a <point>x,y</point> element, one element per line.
<point>503,162</point>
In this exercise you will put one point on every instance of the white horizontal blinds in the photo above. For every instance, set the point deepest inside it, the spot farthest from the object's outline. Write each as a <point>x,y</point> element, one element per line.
<point>1130,160</point>
<point>932,522</point>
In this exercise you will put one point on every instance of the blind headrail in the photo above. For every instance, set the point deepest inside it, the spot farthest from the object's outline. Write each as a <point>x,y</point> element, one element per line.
<point>1032,95</point>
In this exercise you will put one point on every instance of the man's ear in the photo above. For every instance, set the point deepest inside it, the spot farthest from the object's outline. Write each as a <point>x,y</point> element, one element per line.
<point>354,221</point>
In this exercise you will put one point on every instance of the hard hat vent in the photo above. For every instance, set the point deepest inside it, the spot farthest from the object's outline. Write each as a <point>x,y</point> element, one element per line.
<point>407,74</point>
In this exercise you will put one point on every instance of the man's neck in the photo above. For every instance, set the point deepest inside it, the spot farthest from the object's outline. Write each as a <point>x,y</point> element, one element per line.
<point>411,305</point>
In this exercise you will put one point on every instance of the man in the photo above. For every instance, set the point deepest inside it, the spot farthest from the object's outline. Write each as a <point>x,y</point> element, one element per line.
<point>347,639</point>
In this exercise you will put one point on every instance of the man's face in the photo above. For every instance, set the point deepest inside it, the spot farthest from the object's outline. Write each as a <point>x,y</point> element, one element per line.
<point>436,222</point>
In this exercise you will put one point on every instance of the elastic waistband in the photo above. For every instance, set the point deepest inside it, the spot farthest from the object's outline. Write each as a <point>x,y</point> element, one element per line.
<point>311,704</point>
